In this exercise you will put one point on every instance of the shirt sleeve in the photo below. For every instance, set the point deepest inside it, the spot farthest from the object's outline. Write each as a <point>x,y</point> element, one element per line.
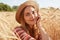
<point>20,33</point>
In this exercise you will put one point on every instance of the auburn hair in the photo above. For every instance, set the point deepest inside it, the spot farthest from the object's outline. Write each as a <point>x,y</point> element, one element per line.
<point>35,30</point>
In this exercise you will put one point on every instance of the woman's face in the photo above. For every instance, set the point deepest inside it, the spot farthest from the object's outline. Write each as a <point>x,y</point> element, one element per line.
<point>30,15</point>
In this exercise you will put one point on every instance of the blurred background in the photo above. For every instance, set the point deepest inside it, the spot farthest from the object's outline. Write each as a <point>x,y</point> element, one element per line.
<point>50,17</point>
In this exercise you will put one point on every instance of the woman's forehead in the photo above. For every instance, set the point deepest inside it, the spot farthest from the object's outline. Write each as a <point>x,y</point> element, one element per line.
<point>29,9</point>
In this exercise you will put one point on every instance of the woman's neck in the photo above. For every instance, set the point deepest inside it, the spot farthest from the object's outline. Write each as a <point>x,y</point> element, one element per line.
<point>31,26</point>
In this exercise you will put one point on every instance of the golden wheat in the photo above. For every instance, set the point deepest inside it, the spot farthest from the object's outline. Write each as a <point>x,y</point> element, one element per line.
<point>50,20</point>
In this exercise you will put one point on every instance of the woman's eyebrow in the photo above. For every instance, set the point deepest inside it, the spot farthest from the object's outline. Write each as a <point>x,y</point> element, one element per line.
<point>34,11</point>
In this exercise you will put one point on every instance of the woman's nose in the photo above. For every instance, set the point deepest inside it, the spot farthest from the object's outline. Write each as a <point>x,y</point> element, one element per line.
<point>32,16</point>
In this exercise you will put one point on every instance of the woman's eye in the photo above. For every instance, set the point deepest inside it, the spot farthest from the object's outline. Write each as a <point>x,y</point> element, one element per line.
<point>27,14</point>
<point>32,12</point>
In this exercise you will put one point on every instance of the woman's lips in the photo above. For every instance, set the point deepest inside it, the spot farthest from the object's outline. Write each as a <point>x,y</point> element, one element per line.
<point>33,19</point>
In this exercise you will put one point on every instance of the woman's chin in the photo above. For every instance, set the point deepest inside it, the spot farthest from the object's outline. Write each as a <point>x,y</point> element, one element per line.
<point>32,23</point>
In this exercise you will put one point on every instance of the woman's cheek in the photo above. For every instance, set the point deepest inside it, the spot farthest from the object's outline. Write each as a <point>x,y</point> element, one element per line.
<point>26,18</point>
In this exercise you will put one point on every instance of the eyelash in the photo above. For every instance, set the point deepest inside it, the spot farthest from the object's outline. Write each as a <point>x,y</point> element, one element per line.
<point>27,14</point>
<point>33,12</point>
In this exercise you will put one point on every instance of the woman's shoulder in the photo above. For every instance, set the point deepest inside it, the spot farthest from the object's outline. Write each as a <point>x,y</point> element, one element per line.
<point>18,28</point>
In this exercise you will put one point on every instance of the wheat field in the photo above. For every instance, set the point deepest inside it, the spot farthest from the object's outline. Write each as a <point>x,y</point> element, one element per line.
<point>50,20</point>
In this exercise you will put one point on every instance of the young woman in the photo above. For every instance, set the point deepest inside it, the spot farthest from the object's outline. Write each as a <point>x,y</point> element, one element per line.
<point>28,16</point>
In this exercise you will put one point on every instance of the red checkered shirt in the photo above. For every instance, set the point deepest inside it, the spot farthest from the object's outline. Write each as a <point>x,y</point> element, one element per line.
<point>21,34</point>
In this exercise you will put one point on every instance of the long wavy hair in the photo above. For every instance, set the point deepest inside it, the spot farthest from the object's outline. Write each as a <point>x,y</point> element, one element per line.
<point>35,31</point>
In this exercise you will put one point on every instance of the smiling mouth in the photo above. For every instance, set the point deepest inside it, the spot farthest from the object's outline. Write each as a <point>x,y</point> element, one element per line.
<point>32,20</point>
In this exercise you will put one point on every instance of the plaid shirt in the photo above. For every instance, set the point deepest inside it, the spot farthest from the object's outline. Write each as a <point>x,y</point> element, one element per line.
<point>21,34</point>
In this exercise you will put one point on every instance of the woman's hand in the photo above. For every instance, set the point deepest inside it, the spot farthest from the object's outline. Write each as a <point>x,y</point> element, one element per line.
<point>44,34</point>
<point>38,21</point>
